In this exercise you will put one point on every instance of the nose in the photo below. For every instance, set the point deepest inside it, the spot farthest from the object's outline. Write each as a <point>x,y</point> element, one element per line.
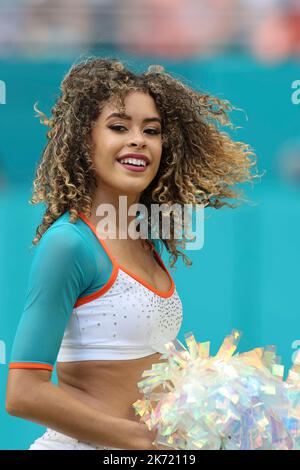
<point>137,144</point>
<point>138,140</point>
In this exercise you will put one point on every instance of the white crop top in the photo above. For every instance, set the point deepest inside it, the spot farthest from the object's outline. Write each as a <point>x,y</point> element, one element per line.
<point>81,304</point>
<point>128,319</point>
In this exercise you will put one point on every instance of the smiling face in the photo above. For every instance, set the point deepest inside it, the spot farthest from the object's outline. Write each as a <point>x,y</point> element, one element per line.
<point>138,131</point>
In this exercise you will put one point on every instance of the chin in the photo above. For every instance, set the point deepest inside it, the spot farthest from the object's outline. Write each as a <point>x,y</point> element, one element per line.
<point>132,191</point>
<point>128,187</point>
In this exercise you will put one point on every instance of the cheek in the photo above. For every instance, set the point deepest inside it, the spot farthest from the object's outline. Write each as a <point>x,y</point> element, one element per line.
<point>159,154</point>
<point>104,148</point>
<point>157,149</point>
<point>156,166</point>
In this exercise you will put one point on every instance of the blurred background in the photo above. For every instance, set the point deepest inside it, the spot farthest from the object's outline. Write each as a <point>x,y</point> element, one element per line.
<point>247,51</point>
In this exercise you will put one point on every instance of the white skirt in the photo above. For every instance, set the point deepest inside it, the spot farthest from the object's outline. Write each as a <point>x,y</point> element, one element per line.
<point>53,440</point>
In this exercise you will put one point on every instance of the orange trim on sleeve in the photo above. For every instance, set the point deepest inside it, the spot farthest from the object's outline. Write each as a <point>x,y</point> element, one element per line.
<point>100,292</point>
<point>29,365</point>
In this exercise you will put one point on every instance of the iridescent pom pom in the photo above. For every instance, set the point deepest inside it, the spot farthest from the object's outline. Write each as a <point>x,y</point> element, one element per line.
<point>236,402</point>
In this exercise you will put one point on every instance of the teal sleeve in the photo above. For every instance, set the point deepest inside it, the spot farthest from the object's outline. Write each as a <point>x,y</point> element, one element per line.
<point>62,268</point>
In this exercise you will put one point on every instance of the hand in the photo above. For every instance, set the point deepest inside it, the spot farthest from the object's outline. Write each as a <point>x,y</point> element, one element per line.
<point>140,437</point>
<point>145,439</point>
<point>161,447</point>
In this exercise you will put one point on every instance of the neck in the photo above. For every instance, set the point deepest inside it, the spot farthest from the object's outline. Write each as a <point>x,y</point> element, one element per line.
<point>113,207</point>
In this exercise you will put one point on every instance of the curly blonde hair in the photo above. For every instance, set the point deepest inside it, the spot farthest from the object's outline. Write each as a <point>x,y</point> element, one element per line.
<point>200,164</point>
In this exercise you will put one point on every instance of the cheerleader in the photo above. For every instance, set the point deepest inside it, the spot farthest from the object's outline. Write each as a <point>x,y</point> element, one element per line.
<point>101,308</point>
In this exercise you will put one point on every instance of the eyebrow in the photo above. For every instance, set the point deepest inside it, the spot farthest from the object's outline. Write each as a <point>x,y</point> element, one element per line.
<point>125,116</point>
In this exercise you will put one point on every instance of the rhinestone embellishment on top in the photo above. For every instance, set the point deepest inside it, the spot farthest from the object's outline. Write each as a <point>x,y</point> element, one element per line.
<point>128,317</point>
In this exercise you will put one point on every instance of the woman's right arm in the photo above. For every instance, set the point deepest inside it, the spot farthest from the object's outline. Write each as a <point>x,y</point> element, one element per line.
<point>31,395</point>
<point>63,267</point>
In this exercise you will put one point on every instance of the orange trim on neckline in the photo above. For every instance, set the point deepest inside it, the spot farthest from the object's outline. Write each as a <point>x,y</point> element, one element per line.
<point>117,266</point>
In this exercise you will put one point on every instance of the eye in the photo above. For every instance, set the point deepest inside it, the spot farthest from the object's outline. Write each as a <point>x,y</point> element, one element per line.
<point>118,128</point>
<point>154,131</point>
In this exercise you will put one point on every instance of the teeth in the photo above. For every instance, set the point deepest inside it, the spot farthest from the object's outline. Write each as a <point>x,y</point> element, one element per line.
<point>133,161</point>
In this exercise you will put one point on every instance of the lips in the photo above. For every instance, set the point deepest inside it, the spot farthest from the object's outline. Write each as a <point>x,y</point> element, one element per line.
<point>138,169</point>
<point>139,156</point>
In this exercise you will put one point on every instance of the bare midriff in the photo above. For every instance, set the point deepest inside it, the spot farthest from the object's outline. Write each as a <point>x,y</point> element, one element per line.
<point>110,386</point>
